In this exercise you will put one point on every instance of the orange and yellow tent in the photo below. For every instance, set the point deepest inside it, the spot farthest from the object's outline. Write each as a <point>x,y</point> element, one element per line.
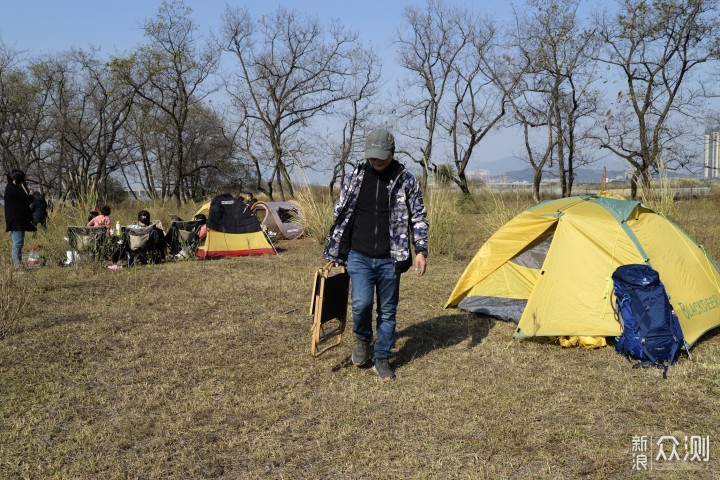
<point>233,230</point>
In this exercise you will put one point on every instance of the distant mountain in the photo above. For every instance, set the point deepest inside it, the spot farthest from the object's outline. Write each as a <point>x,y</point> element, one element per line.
<point>510,164</point>
<point>502,165</point>
<point>582,175</point>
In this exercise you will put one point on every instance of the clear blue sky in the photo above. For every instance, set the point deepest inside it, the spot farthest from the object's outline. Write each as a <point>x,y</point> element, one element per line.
<point>47,26</point>
<point>52,25</point>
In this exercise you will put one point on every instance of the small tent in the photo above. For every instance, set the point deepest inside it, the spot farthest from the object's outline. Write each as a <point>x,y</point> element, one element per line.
<point>232,230</point>
<point>282,218</point>
<point>549,269</point>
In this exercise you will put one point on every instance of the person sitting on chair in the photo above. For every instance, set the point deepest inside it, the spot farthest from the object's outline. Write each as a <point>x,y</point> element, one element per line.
<point>188,249</point>
<point>249,199</point>
<point>143,220</point>
<point>148,247</point>
<point>102,220</point>
<point>95,219</point>
<point>202,233</point>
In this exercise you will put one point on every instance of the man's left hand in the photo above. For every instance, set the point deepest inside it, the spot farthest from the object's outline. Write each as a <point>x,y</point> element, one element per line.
<point>420,264</point>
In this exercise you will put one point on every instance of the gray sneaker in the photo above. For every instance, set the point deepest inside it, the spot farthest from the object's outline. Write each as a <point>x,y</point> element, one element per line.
<point>361,352</point>
<point>382,368</point>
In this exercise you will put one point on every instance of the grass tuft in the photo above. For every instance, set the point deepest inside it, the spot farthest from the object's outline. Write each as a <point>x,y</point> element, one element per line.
<point>447,235</point>
<point>317,209</point>
<point>13,297</point>
<point>660,196</point>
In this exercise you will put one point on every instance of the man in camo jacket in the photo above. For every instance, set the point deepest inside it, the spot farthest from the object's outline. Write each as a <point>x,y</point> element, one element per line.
<point>379,212</point>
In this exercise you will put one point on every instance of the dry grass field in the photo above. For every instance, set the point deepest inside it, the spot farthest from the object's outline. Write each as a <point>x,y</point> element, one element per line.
<point>200,369</point>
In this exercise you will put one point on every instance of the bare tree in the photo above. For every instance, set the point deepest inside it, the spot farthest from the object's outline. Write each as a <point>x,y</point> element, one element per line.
<point>150,146</point>
<point>212,162</point>
<point>538,153</point>
<point>291,70</point>
<point>428,49</point>
<point>555,51</point>
<point>93,112</point>
<point>655,47</point>
<point>172,73</point>
<point>13,83</point>
<point>357,112</point>
<point>27,138</point>
<point>480,90</point>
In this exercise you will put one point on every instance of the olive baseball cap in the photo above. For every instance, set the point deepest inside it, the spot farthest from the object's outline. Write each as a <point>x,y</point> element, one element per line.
<point>380,144</point>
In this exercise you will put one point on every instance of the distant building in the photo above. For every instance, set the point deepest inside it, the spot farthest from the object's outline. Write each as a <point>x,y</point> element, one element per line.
<point>712,153</point>
<point>479,174</point>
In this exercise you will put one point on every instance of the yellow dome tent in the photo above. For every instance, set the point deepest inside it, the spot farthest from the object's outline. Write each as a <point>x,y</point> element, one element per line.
<point>549,269</point>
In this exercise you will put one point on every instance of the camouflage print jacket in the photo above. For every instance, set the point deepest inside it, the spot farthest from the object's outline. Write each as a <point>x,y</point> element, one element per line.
<point>406,210</point>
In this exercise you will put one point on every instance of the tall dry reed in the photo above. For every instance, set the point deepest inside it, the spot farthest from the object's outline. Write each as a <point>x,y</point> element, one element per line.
<point>13,297</point>
<point>317,209</point>
<point>446,235</point>
<point>659,195</point>
<point>500,208</point>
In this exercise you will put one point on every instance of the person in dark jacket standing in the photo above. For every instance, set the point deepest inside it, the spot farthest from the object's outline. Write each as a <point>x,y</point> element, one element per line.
<point>18,216</point>
<point>249,199</point>
<point>379,214</point>
<point>39,209</point>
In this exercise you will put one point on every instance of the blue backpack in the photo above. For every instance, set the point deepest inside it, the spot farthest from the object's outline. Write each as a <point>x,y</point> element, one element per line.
<point>651,331</point>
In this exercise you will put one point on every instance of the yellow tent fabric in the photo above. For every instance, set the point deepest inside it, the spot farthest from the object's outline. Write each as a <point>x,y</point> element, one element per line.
<point>568,291</point>
<point>517,234</point>
<point>220,244</point>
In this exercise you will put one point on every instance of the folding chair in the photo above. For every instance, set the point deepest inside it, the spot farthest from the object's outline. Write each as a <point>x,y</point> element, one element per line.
<point>87,241</point>
<point>328,306</point>
<point>183,236</point>
<point>144,244</point>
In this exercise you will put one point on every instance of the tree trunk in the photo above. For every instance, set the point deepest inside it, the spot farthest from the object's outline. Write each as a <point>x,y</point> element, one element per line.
<point>537,178</point>
<point>462,183</point>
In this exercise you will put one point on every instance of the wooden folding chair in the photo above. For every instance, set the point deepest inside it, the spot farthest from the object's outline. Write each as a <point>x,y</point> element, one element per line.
<point>328,306</point>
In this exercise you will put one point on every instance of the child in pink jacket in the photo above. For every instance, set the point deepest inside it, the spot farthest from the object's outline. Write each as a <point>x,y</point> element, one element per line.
<point>102,220</point>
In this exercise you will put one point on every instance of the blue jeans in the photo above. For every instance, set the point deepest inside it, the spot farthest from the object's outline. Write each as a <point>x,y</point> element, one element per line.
<point>18,239</point>
<point>371,276</point>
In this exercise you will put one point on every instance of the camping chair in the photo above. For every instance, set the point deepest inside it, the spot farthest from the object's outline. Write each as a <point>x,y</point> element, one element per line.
<point>183,236</point>
<point>87,242</point>
<point>328,306</point>
<point>144,244</point>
